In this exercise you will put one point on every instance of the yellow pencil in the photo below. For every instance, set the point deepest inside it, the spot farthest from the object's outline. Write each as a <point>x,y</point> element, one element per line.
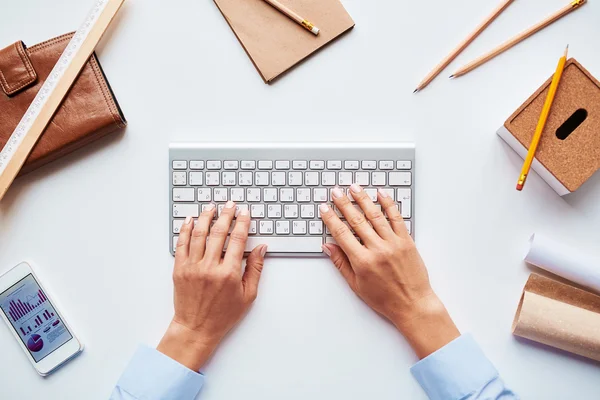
<point>542,122</point>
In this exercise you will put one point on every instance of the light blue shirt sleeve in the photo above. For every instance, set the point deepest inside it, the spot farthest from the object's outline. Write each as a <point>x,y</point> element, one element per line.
<point>152,375</point>
<point>460,371</point>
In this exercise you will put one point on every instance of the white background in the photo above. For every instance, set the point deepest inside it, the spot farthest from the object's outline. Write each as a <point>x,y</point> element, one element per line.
<point>95,223</point>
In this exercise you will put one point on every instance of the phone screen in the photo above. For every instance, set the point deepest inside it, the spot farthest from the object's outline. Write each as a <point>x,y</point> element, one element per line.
<point>34,318</point>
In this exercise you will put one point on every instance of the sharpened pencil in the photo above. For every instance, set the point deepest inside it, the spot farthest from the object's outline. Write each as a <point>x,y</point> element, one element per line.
<point>309,26</point>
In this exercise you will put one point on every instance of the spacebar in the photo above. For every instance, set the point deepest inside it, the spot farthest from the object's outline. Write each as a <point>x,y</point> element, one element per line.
<point>287,244</point>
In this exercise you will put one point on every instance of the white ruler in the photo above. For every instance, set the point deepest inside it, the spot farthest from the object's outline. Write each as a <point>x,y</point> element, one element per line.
<point>54,90</point>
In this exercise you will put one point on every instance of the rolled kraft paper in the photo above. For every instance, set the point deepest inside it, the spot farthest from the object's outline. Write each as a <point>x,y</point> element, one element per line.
<point>564,261</point>
<point>559,315</point>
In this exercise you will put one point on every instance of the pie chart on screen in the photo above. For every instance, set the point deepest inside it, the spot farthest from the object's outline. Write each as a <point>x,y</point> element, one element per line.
<point>35,343</point>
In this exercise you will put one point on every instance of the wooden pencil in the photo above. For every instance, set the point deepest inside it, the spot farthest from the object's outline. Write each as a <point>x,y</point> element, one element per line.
<point>574,5</point>
<point>309,26</point>
<point>542,122</point>
<point>463,45</point>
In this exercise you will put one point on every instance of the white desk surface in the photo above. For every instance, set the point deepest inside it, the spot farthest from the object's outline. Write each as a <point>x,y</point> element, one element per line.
<point>95,223</point>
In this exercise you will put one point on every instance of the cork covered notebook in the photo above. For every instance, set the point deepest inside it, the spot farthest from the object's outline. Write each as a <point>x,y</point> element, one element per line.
<point>273,41</point>
<point>569,150</point>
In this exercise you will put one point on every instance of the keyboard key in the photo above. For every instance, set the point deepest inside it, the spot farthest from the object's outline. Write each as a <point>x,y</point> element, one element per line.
<point>334,165</point>
<point>274,211</point>
<point>404,165</point>
<point>307,211</point>
<point>362,178</point>
<point>257,211</point>
<point>345,178</point>
<point>196,165</point>
<point>295,178</point>
<point>288,244</point>
<point>229,165</point>
<point>282,165</point>
<point>220,195</point>
<point>328,178</point>
<point>369,165</point>
<point>175,239</point>
<point>390,192</point>
<point>315,227</point>
<point>265,164</point>
<point>265,228</point>
<point>183,194</point>
<point>253,228</point>
<point>253,195</point>
<point>179,164</point>
<point>299,165</point>
<point>204,194</point>
<point>317,165</point>
<point>303,195</point>
<point>245,178</point>
<point>386,165</point>
<point>278,178</point>
<point>290,211</point>
<point>352,165</point>
<point>372,193</point>
<point>311,178</point>
<point>282,227</point>
<point>286,195</point>
<point>299,227</point>
<point>229,178</point>
<point>177,224</point>
<point>248,165</point>
<point>238,194</point>
<point>262,178</point>
<point>179,178</point>
<point>378,178</point>
<point>408,227</point>
<point>270,195</point>
<point>239,208</point>
<point>400,178</point>
<point>213,165</point>
<point>405,198</point>
<point>196,178</point>
<point>213,179</point>
<point>320,195</point>
<point>186,210</point>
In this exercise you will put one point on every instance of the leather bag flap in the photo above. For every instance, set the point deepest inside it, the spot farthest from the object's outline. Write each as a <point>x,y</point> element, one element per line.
<point>16,70</point>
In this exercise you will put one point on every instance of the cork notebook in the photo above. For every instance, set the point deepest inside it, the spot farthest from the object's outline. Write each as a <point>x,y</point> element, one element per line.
<point>274,42</point>
<point>569,151</point>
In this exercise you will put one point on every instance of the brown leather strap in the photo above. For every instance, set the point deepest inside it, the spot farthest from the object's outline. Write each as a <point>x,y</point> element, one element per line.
<point>16,71</point>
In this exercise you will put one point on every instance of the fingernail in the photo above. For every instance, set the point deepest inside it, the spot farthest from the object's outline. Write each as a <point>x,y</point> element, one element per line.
<point>337,193</point>
<point>209,207</point>
<point>326,251</point>
<point>244,212</point>
<point>263,251</point>
<point>324,208</point>
<point>188,219</point>
<point>229,204</point>
<point>355,187</point>
<point>384,194</point>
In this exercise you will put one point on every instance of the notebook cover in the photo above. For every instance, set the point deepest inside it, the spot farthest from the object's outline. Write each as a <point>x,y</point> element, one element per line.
<point>274,42</point>
<point>574,160</point>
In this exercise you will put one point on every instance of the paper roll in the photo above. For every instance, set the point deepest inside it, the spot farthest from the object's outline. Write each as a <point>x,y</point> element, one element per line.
<point>559,315</point>
<point>564,261</point>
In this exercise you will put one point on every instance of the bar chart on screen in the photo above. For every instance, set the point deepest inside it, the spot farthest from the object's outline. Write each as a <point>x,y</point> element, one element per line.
<point>19,309</point>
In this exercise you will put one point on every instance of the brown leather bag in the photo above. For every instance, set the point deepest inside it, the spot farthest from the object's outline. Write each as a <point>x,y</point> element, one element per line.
<point>89,112</point>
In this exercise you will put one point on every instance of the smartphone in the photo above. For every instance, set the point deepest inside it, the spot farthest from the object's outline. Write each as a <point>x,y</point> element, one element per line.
<point>36,323</point>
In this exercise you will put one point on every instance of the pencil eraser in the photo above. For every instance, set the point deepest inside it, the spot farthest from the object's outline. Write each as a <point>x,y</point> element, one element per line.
<point>315,30</point>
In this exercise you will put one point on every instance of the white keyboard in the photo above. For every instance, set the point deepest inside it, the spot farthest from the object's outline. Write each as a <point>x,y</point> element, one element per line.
<point>282,185</point>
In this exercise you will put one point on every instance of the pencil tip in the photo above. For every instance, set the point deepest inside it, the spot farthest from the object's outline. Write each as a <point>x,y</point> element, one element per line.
<point>567,50</point>
<point>416,90</point>
<point>451,76</point>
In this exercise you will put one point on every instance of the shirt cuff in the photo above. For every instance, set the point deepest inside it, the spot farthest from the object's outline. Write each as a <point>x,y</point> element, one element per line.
<point>455,371</point>
<point>152,375</point>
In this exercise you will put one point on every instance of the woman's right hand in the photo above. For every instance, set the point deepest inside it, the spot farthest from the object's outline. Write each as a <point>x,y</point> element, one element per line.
<point>386,270</point>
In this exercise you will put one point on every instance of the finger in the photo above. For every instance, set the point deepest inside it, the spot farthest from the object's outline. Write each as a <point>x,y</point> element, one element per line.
<point>218,233</point>
<point>341,262</point>
<point>200,233</point>
<point>355,218</point>
<point>183,242</point>
<point>254,267</point>
<point>238,239</point>
<point>372,212</point>
<point>393,214</point>
<point>341,233</point>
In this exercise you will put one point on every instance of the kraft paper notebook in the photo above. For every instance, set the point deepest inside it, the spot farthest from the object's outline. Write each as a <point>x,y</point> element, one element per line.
<point>274,42</point>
